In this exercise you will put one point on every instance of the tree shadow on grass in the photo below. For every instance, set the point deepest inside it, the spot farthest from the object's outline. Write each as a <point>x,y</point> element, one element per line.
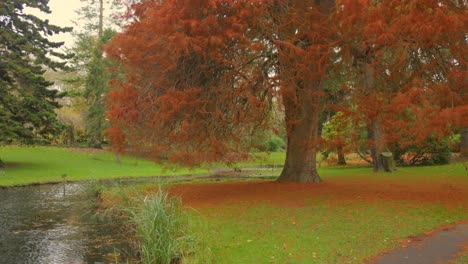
<point>22,164</point>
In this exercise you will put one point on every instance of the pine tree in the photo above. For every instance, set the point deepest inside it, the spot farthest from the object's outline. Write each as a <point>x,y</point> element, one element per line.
<point>26,104</point>
<point>96,88</point>
<point>90,60</point>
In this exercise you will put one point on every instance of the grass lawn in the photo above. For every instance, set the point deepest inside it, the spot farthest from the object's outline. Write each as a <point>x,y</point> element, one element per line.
<point>27,165</point>
<point>323,231</point>
<point>351,217</point>
<point>354,215</point>
<point>462,258</point>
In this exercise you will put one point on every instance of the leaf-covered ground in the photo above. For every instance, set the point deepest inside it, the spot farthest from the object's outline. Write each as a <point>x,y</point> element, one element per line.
<point>349,218</point>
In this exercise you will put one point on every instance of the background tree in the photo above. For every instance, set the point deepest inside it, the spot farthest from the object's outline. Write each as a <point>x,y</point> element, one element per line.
<point>336,134</point>
<point>73,106</point>
<point>402,57</point>
<point>26,104</point>
<point>90,64</point>
<point>464,142</point>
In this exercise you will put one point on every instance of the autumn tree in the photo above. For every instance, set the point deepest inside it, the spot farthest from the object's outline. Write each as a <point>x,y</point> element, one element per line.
<point>199,76</point>
<point>302,35</point>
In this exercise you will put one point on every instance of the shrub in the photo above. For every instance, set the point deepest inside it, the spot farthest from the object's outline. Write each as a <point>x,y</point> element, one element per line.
<point>276,144</point>
<point>434,152</point>
<point>454,142</point>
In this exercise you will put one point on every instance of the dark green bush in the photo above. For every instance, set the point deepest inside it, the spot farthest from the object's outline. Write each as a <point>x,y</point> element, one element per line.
<point>433,152</point>
<point>276,144</point>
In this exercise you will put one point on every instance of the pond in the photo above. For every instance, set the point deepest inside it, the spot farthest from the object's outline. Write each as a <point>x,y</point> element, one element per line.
<point>56,224</point>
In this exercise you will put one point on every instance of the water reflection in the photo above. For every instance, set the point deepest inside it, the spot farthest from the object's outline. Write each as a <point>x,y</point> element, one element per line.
<point>49,224</point>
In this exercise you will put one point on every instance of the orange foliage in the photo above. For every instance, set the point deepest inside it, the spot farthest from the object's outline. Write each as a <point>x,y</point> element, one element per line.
<point>201,76</point>
<point>189,92</point>
<point>407,60</point>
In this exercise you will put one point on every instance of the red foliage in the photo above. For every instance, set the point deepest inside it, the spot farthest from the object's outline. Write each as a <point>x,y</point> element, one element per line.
<point>407,63</point>
<point>201,75</point>
<point>189,92</point>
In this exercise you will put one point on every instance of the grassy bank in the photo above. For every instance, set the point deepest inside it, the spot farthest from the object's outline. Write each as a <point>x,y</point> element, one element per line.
<point>30,165</point>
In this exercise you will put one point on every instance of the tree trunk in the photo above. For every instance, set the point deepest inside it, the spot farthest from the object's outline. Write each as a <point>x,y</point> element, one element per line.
<point>464,142</point>
<point>302,122</point>
<point>98,135</point>
<point>101,18</point>
<point>302,110</point>
<point>72,135</point>
<point>372,138</point>
<point>341,156</point>
<point>372,128</point>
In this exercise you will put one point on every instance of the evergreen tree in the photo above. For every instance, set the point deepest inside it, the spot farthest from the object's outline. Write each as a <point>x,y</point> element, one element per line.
<point>96,87</point>
<point>26,104</point>
<point>90,61</point>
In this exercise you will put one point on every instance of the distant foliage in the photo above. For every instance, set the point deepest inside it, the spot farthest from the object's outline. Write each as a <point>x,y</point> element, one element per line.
<point>337,132</point>
<point>276,144</point>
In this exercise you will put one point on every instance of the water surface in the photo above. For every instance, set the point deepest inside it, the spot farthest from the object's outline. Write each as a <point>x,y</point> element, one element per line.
<point>56,224</point>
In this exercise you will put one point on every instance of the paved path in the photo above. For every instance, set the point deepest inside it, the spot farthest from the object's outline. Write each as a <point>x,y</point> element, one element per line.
<point>440,247</point>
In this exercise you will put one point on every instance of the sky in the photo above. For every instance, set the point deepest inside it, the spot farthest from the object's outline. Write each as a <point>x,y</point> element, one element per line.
<point>63,12</point>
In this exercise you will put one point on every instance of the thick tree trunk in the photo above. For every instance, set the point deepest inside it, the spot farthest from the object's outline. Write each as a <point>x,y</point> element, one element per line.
<point>464,142</point>
<point>302,110</point>
<point>341,156</point>
<point>302,122</point>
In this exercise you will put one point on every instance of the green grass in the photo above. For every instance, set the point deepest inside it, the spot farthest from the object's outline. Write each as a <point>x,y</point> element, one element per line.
<point>264,159</point>
<point>451,172</point>
<point>331,230</point>
<point>29,165</point>
<point>462,258</point>
<point>322,232</point>
<point>325,230</point>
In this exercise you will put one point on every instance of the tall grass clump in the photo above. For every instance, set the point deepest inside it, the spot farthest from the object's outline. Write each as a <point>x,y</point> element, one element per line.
<point>164,232</point>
